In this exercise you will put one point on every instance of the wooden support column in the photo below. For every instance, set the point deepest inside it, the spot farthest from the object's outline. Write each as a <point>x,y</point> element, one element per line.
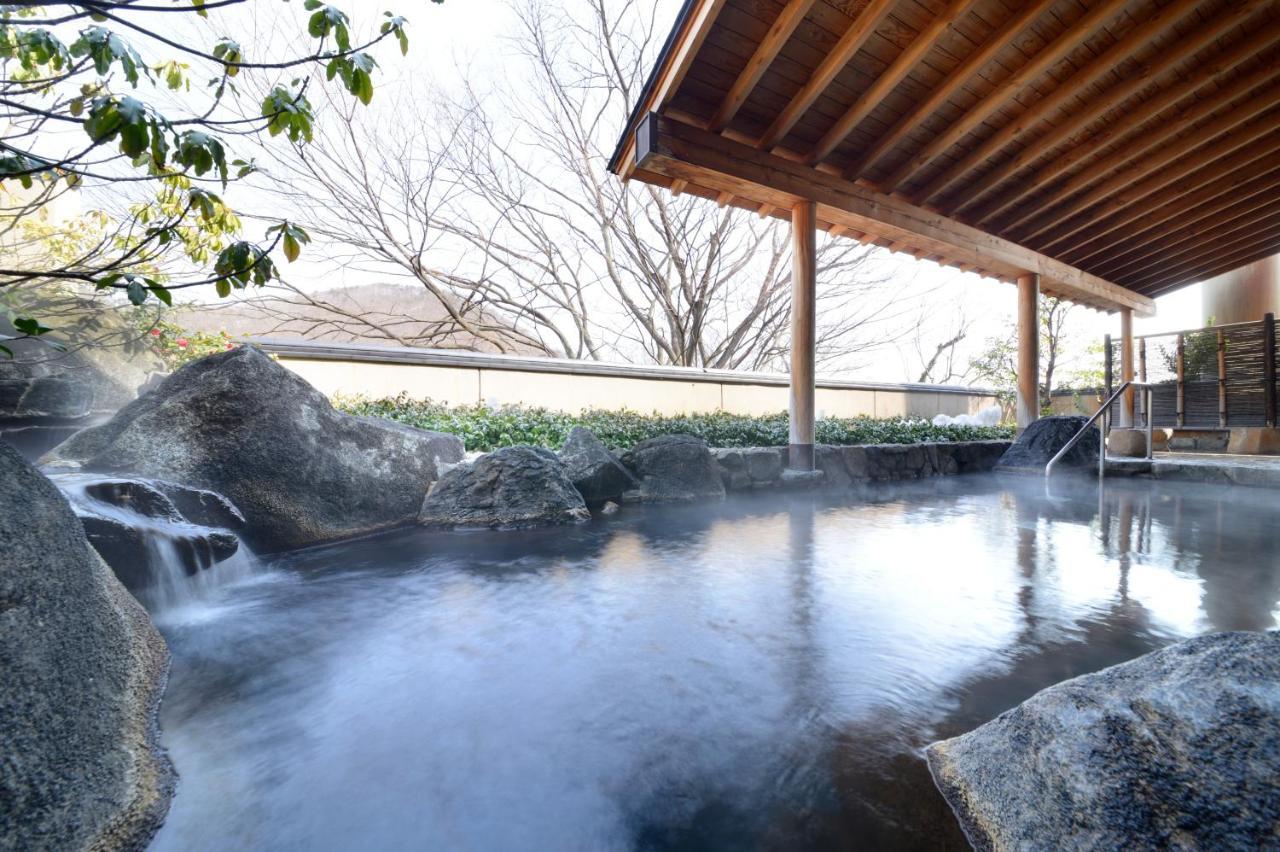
<point>1028,350</point>
<point>804,308</point>
<point>1126,367</point>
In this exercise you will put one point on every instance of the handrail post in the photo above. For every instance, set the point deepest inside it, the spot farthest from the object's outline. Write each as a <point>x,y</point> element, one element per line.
<point>1222,379</point>
<point>1182,381</point>
<point>1269,367</point>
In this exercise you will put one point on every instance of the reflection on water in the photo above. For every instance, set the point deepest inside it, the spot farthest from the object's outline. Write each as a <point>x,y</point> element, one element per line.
<point>754,675</point>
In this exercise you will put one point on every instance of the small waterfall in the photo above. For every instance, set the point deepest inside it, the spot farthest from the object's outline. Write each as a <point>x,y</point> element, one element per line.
<point>172,546</point>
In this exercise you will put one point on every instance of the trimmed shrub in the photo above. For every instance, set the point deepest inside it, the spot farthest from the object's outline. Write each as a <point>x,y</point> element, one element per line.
<point>483,429</point>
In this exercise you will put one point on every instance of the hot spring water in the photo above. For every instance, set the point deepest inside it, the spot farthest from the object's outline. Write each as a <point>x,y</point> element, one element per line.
<point>759,674</point>
<point>170,563</point>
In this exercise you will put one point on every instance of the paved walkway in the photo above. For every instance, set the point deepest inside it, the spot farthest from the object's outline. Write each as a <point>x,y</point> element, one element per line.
<point>1261,471</point>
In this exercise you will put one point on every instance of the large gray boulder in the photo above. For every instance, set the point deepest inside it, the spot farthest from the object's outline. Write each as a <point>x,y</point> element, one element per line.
<point>1177,749</point>
<point>241,425</point>
<point>510,488</point>
<point>1042,440</point>
<point>594,471</point>
<point>675,468</point>
<point>83,670</point>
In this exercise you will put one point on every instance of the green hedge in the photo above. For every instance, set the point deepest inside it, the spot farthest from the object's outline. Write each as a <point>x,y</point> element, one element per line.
<point>482,428</point>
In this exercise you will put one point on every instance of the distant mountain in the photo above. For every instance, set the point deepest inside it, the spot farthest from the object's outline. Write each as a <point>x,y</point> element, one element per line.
<point>370,313</point>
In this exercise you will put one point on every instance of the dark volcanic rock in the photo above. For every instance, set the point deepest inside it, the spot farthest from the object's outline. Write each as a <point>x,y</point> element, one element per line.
<point>674,467</point>
<point>60,397</point>
<point>513,487</point>
<point>83,670</point>
<point>1177,749</point>
<point>243,426</point>
<point>594,471</point>
<point>1042,440</point>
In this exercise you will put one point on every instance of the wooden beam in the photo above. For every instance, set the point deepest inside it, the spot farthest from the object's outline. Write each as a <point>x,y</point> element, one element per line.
<point>781,29</point>
<point>834,62</point>
<point>1123,207</point>
<point>997,98</point>
<point>1246,181</point>
<point>677,150</point>
<point>953,81</point>
<point>804,312</point>
<point>1142,78</point>
<point>1104,63</point>
<point>687,43</point>
<point>1028,402</point>
<point>885,83</point>
<point>1153,163</point>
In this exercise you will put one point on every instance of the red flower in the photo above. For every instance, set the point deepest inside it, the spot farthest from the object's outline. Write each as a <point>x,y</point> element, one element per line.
<point>182,343</point>
<point>231,346</point>
<point>155,332</point>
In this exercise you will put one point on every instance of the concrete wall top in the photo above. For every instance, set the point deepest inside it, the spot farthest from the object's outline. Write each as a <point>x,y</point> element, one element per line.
<point>357,352</point>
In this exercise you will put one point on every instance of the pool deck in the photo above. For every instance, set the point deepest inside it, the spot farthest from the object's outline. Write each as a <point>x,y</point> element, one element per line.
<point>1258,471</point>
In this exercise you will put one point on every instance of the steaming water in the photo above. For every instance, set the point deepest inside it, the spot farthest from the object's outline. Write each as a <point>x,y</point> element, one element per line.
<point>756,675</point>
<point>171,592</point>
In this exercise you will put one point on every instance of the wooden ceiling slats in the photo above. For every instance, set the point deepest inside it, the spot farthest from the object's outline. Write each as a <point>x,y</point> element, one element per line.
<point>1227,132</point>
<point>887,81</point>
<point>939,95</point>
<point>792,14</point>
<point>1229,175</point>
<point>835,61</point>
<point>1188,239</point>
<point>1229,232</point>
<point>1143,78</point>
<point>1037,66</point>
<point>1102,64</point>
<point>1137,141</point>
<point>1265,245</point>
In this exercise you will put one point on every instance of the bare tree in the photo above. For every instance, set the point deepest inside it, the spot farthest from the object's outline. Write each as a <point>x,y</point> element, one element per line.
<point>500,204</point>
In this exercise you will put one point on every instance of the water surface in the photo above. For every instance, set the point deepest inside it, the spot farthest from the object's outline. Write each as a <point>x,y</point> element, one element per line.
<point>761,674</point>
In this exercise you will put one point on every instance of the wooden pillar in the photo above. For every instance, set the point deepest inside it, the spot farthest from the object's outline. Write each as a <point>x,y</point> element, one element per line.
<point>1126,367</point>
<point>803,336</point>
<point>1028,350</point>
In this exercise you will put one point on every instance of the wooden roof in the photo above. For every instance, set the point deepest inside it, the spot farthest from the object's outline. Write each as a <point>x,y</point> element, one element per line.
<point>1120,148</point>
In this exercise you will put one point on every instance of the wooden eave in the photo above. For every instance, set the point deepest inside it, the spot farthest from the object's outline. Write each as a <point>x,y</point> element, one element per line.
<point>1119,148</point>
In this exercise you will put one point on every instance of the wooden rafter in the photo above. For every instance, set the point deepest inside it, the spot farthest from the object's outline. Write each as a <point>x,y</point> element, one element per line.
<point>1189,239</point>
<point>854,37</point>
<point>1053,53</point>
<point>782,28</point>
<point>1057,163</point>
<point>873,94</point>
<point>1236,241</point>
<point>957,78</point>
<point>1246,173</point>
<point>1102,64</point>
<point>1166,167</point>
<point>1267,246</point>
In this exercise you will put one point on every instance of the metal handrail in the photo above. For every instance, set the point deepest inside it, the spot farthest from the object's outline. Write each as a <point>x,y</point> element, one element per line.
<point>1101,412</point>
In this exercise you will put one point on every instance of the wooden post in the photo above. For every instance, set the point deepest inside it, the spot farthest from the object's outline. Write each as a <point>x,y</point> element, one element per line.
<point>1126,367</point>
<point>1269,367</point>
<point>1222,380</point>
<point>803,336</point>
<point>1028,350</point>
<point>1182,381</point>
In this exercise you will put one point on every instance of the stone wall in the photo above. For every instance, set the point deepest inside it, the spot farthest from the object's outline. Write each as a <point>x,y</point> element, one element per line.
<point>763,467</point>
